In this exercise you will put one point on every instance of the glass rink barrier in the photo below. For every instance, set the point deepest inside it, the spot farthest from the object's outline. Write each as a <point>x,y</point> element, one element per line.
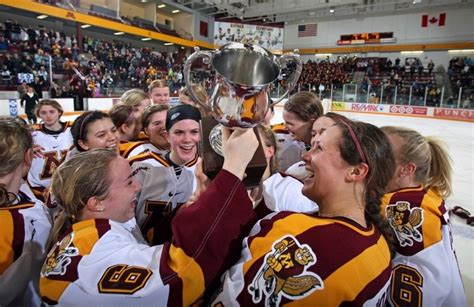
<point>415,94</point>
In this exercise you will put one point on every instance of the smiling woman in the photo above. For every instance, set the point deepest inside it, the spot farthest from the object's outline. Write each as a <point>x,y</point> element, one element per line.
<point>168,179</point>
<point>297,257</point>
<point>102,261</point>
<point>94,130</point>
<point>53,139</point>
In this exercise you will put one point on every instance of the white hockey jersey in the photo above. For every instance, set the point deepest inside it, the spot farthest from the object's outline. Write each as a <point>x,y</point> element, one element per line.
<point>24,233</point>
<point>164,188</point>
<point>138,148</point>
<point>56,146</point>
<point>289,151</point>
<point>283,193</point>
<point>100,263</point>
<point>425,268</point>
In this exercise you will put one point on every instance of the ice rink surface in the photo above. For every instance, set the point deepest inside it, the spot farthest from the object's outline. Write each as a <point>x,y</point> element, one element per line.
<point>459,139</point>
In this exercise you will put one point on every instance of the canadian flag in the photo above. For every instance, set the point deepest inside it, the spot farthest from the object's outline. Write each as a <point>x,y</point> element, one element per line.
<point>428,21</point>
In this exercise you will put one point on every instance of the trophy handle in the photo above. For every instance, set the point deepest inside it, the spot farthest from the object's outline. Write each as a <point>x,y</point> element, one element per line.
<point>287,57</point>
<point>206,56</point>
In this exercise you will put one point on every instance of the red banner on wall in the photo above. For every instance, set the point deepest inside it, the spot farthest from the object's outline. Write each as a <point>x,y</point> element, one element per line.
<point>454,113</point>
<point>409,110</point>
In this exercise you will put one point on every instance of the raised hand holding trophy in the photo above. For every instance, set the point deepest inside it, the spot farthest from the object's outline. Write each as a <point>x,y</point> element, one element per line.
<point>240,97</point>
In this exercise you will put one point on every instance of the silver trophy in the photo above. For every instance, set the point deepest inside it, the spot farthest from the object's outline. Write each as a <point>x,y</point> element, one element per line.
<point>240,95</point>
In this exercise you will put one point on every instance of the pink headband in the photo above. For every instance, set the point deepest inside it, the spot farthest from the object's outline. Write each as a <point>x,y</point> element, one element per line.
<point>356,141</point>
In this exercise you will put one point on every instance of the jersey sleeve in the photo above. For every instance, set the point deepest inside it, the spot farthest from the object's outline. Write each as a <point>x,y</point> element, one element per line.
<point>283,193</point>
<point>119,271</point>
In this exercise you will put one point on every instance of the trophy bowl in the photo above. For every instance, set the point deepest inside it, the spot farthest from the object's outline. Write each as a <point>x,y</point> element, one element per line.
<point>240,94</point>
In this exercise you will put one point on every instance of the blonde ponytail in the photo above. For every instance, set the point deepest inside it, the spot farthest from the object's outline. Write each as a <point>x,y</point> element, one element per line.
<point>439,176</point>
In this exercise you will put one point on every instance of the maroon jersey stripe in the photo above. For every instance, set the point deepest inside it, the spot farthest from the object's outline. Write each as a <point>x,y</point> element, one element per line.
<point>18,233</point>
<point>372,289</point>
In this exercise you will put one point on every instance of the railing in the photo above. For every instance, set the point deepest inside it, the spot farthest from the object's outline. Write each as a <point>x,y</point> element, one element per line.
<point>418,95</point>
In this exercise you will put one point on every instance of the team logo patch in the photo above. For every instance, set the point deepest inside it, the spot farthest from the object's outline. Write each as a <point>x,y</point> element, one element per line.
<point>405,221</point>
<point>284,273</point>
<point>60,257</point>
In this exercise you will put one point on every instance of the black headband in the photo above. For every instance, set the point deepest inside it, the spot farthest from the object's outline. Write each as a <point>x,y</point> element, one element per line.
<point>181,112</point>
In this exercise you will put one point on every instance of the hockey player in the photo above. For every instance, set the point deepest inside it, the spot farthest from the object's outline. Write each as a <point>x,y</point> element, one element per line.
<point>168,181</point>
<point>24,223</point>
<point>55,139</point>
<point>159,92</point>
<point>426,271</point>
<point>99,262</point>
<point>92,130</point>
<point>294,138</point>
<point>153,122</point>
<point>339,256</point>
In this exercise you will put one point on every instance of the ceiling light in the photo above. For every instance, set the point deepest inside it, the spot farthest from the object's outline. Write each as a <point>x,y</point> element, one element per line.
<point>161,6</point>
<point>119,33</point>
<point>331,11</point>
<point>85,26</point>
<point>311,13</point>
<point>143,1</point>
<point>169,44</point>
<point>461,50</point>
<point>42,16</point>
<point>175,11</point>
<point>323,54</point>
<point>411,52</point>
<point>146,39</point>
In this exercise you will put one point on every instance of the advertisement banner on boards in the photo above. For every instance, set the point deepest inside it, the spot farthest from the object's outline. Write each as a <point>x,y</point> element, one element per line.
<point>13,107</point>
<point>454,113</point>
<point>409,110</point>
<point>367,107</point>
<point>338,106</point>
<point>267,37</point>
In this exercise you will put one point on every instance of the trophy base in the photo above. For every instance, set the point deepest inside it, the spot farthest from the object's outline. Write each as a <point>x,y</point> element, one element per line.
<point>212,162</point>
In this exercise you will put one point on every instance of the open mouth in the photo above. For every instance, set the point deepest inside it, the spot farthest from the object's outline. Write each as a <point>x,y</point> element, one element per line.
<point>187,148</point>
<point>112,146</point>
<point>309,175</point>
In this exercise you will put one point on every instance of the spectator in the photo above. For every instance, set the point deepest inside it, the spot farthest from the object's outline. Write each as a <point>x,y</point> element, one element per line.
<point>31,99</point>
<point>6,76</point>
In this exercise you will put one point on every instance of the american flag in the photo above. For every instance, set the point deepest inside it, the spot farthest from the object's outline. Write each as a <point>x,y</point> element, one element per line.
<point>307,30</point>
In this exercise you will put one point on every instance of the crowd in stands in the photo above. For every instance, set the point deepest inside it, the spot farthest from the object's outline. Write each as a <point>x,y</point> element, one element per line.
<point>93,67</point>
<point>100,66</point>
<point>461,76</point>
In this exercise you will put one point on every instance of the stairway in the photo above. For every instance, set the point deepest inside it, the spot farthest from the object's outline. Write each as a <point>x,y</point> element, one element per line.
<point>358,77</point>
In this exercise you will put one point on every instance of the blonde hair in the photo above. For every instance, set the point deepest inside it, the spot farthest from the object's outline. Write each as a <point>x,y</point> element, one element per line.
<point>77,180</point>
<point>199,91</point>
<point>157,83</point>
<point>133,97</point>
<point>433,163</point>
<point>15,140</point>
<point>268,137</point>
<point>49,102</point>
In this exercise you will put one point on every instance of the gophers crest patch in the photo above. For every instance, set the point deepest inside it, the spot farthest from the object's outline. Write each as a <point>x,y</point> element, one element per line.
<point>405,221</point>
<point>284,273</point>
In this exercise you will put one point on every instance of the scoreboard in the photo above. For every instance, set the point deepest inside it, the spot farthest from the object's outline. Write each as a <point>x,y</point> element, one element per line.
<point>367,38</point>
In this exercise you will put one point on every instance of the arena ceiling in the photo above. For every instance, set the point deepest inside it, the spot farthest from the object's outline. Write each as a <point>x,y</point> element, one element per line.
<point>297,11</point>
